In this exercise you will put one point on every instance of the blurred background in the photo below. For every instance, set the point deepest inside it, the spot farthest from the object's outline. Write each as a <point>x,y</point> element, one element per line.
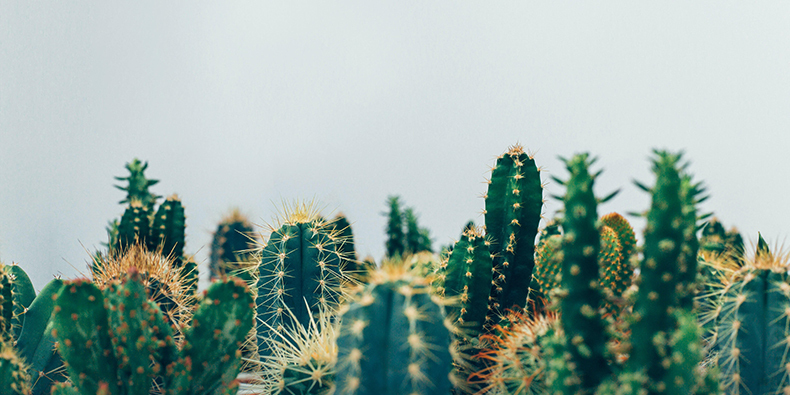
<point>252,104</point>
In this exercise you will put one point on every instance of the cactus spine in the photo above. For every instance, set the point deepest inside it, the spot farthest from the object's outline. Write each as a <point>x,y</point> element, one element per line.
<point>393,339</point>
<point>513,207</point>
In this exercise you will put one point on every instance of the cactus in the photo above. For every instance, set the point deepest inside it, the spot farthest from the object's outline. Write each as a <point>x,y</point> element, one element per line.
<point>14,378</point>
<point>513,205</point>
<point>393,339</point>
<point>134,228</point>
<point>172,290</point>
<point>304,360</point>
<point>6,305</point>
<point>168,230</point>
<point>36,345</point>
<point>580,275</point>
<point>751,318</point>
<point>231,248</point>
<point>665,281</point>
<point>137,185</point>
<point>516,359</point>
<point>395,235</point>
<point>466,277</point>
<point>117,342</point>
<point>350,264</point>
<point>301,261</point>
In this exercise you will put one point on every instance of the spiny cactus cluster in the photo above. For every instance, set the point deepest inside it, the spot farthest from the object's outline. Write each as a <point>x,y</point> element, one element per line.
<point>581,311</point>
<point>115,340</point>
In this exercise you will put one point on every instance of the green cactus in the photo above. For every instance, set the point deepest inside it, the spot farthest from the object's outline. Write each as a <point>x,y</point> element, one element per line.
<point>137,184</point>
<point>135,226</point>
<point>14,377</point>
<point>664,281</point>
<point>301,261</point>
<point>6,305</point>
<point>168,230</point>
<point>395,236</point>
<point>393,339</point>
<point>752,325</point>
<point>36,345</point>
<point>231,247</point>
<point>466,277</point>
<point>116,341</point>
<point>513,205</point>
<point>580,276</point>
<point>548,269</point>
<point>615,275</point>
<point>350,264</point>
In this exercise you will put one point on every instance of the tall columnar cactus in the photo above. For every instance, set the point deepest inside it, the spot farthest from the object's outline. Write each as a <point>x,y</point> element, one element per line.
<point>662,283</point>
<point>23,294</point>
<point>395,236</point>
<point>168,230</point>
<point>6,305</point>
<point>232,247</point>
<point>580,275</point>
<point>393,339</point>
<point>752,325</point>
<point>466,278</point>
<point>118,342</point>
<point>513,205</point>
<point>300,262</point>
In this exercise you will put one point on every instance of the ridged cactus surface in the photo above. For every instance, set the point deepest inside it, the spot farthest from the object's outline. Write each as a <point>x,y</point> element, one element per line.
<point>513,205</point>
<point>300,262</point>
<point>14,377</point>
<point>393,340</point>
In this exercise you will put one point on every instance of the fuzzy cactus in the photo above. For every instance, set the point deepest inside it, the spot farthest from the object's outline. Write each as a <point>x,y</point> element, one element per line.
<point>393,339</point>
<point>513,205</point>
<point>300,262</point>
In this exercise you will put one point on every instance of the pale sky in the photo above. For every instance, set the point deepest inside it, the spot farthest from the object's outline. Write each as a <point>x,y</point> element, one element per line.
<point>248,104</point>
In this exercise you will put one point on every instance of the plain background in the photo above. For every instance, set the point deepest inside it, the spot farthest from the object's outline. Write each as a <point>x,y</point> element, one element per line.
<point>250,104</point>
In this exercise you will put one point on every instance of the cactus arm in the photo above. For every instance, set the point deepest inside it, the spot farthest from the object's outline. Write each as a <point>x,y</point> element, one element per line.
<point>81,326</point>
<point>134,227</point>
<point>6,304</point>
<point>513,207</point>
<point>14,379</point>
<point>468,278</point>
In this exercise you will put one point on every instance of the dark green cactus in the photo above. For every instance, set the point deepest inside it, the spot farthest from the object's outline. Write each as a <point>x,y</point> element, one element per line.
<point>513,207</point>
<point>663,282</point>
<point>301,262</point>
<point>466,277</point>
<point>135,226</point>
<point>753,325</point>
<point>581,297</point>
<point>393,339</point>
<point>231,247</point>
<point>14,377</point>
<point>6,305</point>
<point>350,263</point>
<point>395,236</point>
<point>168,230</point>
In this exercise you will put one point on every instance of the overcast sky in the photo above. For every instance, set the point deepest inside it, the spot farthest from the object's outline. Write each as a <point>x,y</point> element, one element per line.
<point>249,104</point>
